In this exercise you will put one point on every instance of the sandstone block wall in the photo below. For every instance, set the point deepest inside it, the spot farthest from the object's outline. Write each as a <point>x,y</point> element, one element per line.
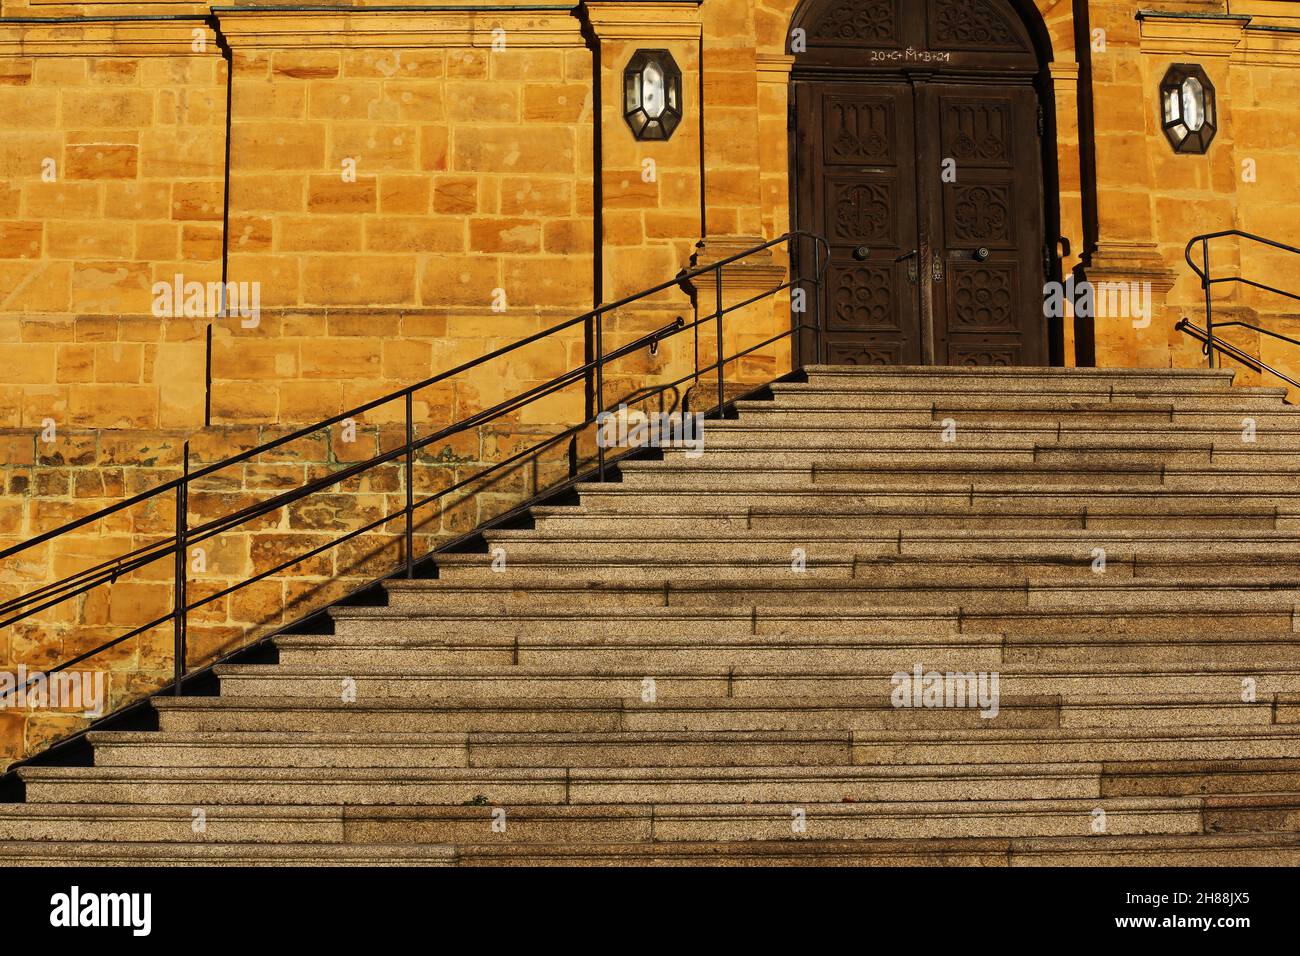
<point>410,190</point>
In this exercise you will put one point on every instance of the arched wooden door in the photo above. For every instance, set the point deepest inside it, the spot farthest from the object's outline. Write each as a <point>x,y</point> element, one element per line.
<point>917,153</point>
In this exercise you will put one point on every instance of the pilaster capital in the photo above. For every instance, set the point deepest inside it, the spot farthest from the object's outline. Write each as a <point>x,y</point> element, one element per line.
<point>646,20</point>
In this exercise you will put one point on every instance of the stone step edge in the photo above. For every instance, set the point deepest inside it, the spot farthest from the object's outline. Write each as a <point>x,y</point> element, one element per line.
<point>270,703</point>
<point>794,583</point>
<point>163,812</point>
<point>1003,737</point>
<point>1022,672</point>
<point>1262,640</point>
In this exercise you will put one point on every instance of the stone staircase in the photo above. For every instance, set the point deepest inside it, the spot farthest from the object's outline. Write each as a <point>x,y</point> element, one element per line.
<point>650,680</point>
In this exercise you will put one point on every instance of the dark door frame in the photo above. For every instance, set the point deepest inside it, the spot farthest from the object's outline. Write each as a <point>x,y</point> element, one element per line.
<point>846,67</point>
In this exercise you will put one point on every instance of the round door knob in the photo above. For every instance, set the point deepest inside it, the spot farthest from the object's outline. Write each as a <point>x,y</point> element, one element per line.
<point>861,253</point>
<point>981,254</point>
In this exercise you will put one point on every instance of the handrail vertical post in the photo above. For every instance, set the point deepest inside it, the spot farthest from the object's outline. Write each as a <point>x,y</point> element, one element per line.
<point>1209,308</point>
<point>817,302</point>
<point>600,392</point>
<point>179,612</point>
<point>410,486</point>
<point>207,377</point>
<point>695,336</point>
<point>717,286</point>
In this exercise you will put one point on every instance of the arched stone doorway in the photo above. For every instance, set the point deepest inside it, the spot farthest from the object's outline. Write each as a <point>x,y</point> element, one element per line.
<point>918,151</point>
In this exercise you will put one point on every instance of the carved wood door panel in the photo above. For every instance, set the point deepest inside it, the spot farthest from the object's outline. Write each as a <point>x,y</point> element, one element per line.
<point>917,153</point>
<point>859,191</point>
<point>986,220</point>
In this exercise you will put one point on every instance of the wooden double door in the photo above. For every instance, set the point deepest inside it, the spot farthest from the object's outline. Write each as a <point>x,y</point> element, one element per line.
<point>930,193</point>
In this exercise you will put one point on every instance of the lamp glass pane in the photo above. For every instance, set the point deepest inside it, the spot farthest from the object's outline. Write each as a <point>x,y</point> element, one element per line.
<point>652,89</point>
<point>1171,106</point>
<point>1193,103</point>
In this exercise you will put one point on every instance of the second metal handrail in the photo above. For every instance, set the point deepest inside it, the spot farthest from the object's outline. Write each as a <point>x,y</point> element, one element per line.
<point>1211,343</point>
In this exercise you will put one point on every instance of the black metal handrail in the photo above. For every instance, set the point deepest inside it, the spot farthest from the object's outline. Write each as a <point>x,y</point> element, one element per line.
<point>176,545</point>
<point>1211,343</point>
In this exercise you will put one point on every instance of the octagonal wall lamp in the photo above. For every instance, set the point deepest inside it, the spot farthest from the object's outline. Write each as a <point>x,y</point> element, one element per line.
<point>652,94</point>
<point>1188,111</point>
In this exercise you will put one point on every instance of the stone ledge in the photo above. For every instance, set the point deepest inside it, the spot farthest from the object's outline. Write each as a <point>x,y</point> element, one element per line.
<point>1232,35</point>
<point>143,37</point>
<point>644,20</point>
<point>359,28</point>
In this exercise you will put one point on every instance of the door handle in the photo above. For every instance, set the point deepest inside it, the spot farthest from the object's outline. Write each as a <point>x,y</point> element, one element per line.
<point>981,254</point>
<point>913,257</point>
<point>936,267</point>
<point>861,253</point>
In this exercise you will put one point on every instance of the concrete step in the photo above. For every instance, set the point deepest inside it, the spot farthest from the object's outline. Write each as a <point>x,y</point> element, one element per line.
<point>50,853</point>
<point>775,417</point>
<point>533,749</point>
<point>840,513</point>
<point>388,716</point>
<point>1090,618</point>
<point>304,749</point>
<point>562,542</point>
<point>670,823</point>
<point>591,715</point>
<point>1124,453</point>
<point>1141,679</point>
<point>201,786</point>
<point>940,378</point>
<point>959,401</point>
<point>1220,850</point>
<point>1123,546</point>
<point>932,820</point>
<point>756,444</point>
<point>326,826</point>
<point>1076,389</point>
<point>651,650</point>
<point>745,434</point>
<point>1247,650</point>
<point>820,509</point>
<point>162,823</point>
<point>1028,390</point>
<point>627,564</point>
<point>376,622</point>
<point>1075,744</point>
<point>1195,474</point>
<point>1221,376</point>
<point>771,620</point>
<point>710,748</point>
<point>742,485</point>
<point>567,525</point>
<point>1190,849</point>
<point>971,590</point>
<point>1188,777</point>
<point>538,563</point>
<point>867,652</point>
